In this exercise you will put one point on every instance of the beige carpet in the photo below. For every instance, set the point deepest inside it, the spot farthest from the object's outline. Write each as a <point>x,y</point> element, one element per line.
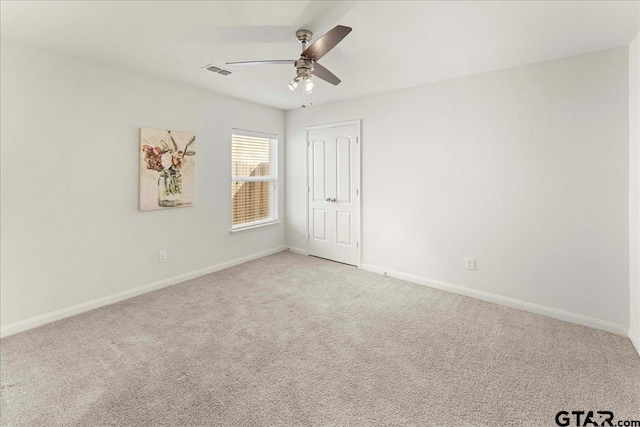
<point>294,340</point>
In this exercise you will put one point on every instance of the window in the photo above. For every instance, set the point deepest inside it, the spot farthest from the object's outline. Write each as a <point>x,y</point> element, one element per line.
<point>254,179</point>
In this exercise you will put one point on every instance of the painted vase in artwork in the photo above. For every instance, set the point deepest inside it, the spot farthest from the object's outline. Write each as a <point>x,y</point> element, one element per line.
<point>166,157</point>
<point>169,189</point>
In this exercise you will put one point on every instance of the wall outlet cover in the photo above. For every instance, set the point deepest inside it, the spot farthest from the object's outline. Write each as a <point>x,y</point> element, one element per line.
<point>470,263</point>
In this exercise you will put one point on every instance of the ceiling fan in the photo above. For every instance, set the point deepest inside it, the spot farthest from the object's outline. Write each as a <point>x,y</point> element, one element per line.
<point>307,64</point>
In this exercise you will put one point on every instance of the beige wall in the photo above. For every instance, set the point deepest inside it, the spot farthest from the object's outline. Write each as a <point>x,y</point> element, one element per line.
<point>71,229</point>
<point>634,190</point>
<point>525,170</point>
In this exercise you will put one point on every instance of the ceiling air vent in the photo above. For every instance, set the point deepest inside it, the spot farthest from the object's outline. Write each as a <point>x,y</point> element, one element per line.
<point>217,70</point>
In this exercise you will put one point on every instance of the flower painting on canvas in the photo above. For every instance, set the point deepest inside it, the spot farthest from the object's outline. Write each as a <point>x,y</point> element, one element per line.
<point>167,160</point>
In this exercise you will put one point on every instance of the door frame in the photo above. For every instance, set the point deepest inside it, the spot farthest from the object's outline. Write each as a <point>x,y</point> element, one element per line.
<point>358,177</point>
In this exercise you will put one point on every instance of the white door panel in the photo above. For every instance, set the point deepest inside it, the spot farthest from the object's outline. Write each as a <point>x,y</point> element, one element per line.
<point>318,169</point>
<point>334,206</point>
<point>343,228</point>
<point>343,169</point>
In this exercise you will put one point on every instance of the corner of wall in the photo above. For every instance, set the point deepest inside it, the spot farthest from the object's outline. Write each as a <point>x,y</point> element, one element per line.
<point>634,191</point>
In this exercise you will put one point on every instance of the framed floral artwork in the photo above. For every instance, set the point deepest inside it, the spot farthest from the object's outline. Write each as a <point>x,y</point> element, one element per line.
<point>167,163</point>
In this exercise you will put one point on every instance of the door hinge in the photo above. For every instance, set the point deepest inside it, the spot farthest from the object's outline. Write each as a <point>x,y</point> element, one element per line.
<point>357,194</point>
<point>357,244</point>
<point>308,144</point>
<point>308,189</point>
<point>357,139</point>
<point>309,236</point>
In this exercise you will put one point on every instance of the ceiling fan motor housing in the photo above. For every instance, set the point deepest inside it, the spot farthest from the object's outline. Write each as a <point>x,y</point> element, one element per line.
<point>304,66</point>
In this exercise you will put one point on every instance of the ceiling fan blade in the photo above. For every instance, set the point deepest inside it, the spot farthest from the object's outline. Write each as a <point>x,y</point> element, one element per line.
<point>271,62</point>
<point>327,42</point>
<point>324,74</point>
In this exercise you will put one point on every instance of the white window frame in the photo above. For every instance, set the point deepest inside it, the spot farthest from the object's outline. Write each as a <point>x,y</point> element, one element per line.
<point>273,158</point>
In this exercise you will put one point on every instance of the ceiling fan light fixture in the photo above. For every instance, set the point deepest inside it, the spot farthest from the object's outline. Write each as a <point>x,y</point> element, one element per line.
<point>293,85</point>
<point>308,85</point>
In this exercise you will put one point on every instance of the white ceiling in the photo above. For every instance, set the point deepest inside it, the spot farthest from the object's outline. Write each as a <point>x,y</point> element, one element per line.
<point>393,44</point>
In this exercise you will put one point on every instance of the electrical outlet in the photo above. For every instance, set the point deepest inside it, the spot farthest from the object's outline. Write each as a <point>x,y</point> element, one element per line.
<point>470,263</point>
<point>162,257</point>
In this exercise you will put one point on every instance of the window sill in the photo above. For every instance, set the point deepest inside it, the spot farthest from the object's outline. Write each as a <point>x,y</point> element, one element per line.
<point>251,227</point>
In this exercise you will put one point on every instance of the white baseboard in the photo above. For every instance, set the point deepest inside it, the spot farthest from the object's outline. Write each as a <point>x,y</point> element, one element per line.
<point>298,251</point>
<point>635,341</point>
<point>23,325</point>
<point>505,301</point>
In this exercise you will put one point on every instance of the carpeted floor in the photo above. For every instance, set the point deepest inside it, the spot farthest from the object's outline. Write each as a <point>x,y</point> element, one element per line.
<point>294,340</point>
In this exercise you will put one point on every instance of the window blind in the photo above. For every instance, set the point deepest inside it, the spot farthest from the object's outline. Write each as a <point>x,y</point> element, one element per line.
<point>254,178</point>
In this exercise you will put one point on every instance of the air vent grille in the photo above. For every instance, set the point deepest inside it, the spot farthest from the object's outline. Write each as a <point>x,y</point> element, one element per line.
<point>217,70</point>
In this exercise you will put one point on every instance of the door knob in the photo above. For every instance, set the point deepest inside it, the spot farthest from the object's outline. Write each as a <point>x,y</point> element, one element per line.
<point>327,199</point>
<point>333,200</point>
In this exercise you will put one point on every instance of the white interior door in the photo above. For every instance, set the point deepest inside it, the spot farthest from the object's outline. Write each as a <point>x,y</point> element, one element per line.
<point>334,206</point>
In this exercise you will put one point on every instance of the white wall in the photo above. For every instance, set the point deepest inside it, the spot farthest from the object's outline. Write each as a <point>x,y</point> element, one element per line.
<point>634,189</point>
<point>524,169</point>
<point>71,229</point>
